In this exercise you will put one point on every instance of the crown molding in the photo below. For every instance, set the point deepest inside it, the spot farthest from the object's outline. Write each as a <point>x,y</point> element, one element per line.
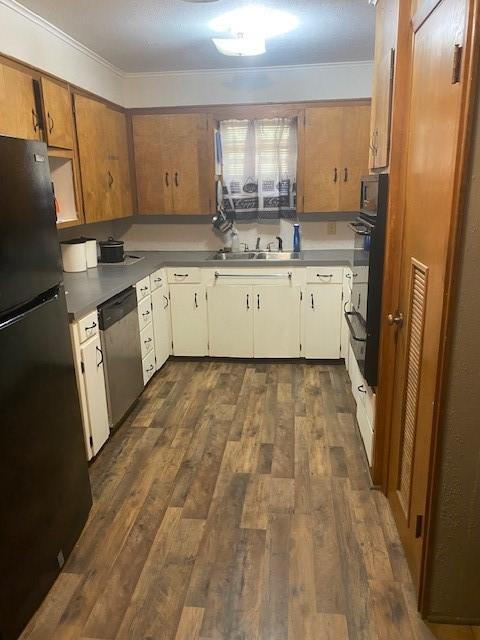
<point>61,35</point>
<point>247,70</point>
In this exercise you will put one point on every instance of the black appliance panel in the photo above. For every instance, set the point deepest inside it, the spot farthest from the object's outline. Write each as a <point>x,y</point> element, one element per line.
<point>45,497</point>
<point>29,251</point>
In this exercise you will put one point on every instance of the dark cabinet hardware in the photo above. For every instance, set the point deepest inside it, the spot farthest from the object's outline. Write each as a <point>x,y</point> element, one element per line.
<point>176,179</point>
<point>110,179</point>
<point>143,288</point>
<point>147,340</point>
<point>335,175</point>
<point>51,123</point>
<point>248,302</point>
<point>145,314</point>
<point>313,301</point>
<point>196,301</point>
<point>345,175</point>
<point>418,526</point>
<point>324,275</point>
<point>167,179</point>
<point>150,368</point>
<point>181,275</point>
<point>258,301</point>
<point>92,326</point>
<point>362,389</point>
<point>166,302</point>
<point>99,364</point>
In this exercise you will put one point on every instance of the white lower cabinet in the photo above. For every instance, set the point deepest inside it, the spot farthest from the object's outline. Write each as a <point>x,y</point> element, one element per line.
<point>322,305</point>
<point>346,306</point>
<point>88,358</point>
<point>230,321</point>
<point>188,308</point>
<point>148,364</point>
<point>276,325</point>
<point>162,328</point>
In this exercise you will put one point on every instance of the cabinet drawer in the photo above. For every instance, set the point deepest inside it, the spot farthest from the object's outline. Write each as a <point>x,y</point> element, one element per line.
<point>143,288</point>
<point>145,312</point>
<point>157,280</point>
<point>146,340</point>
<point>325,275</point>
<point>182,275</point>
<point>88,327</point>
<point>148,364</point>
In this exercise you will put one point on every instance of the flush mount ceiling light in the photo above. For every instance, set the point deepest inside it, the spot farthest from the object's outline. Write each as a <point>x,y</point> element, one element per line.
<point>240,45</point>
<point>255,21</point>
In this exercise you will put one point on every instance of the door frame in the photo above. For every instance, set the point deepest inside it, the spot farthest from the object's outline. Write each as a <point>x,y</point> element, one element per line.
<point>382,463</point>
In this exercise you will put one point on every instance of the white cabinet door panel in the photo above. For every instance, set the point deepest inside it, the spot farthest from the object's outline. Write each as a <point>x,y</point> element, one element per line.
<point>323,318</point>
<point>276,321</point>
<point>230,321</point>
<point>162,327</point>
<point>189,320</point>
<point>94,379</point>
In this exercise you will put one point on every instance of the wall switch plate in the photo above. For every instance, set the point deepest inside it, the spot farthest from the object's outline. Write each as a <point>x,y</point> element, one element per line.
<point>331,228</point>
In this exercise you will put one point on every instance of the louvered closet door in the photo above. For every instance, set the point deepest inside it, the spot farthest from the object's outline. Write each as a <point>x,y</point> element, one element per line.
<point>432,145</point>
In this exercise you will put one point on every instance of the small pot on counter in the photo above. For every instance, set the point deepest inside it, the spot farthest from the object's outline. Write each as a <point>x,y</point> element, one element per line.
<point>111,250</point>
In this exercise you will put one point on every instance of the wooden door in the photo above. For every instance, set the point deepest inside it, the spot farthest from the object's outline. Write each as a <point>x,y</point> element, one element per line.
<point>276,328</point>
<point>191,153</point>
<point>435,115</point>
<point>323,158</point>
<point>18,110</point>
<point>151,141</point>
<point>230,321</point>
<point>93,151</point>
<point>189,320</point>
<point>322,318</point>
<point>94,377</point>
<point>57,108</point>
<point>119,186</point>
<point>162,328</point>
<point>354,157</point>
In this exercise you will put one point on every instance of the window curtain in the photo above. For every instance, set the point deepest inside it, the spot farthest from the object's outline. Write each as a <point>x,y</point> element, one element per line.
<point>259,168</point>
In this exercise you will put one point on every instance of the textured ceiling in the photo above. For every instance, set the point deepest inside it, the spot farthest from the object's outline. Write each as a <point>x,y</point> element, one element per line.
<point>172,35</point>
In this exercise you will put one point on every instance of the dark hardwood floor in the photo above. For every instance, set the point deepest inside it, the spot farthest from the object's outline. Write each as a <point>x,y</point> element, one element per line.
<point>235,504</point>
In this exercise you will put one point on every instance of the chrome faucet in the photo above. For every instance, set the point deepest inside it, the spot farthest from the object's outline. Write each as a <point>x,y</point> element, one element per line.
<point>257,246</point>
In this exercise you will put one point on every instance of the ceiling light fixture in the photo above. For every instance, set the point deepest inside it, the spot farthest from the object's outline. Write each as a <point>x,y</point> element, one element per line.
<point>255,21</point>
<point>240,45</point>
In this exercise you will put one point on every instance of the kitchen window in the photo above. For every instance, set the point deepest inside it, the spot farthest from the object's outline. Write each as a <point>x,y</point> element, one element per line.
<point>259,160</point>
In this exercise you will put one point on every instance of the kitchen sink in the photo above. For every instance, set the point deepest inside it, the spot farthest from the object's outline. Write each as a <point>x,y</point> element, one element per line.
<point>256,255</point>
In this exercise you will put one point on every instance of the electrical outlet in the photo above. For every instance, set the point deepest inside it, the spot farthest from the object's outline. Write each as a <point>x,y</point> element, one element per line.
<point>331,228</point>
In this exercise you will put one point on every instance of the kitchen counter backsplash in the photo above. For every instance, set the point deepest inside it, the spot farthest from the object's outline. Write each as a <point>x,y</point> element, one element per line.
<point>193,233</point>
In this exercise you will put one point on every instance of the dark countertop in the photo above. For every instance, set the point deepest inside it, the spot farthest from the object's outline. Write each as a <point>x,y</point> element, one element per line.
<point>88,289</point>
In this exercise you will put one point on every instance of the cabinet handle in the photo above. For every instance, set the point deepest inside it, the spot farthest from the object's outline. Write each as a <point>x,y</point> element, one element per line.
<point>92,326</point>
<point>167,179</point>
<point>110,180</point>
<point>335,174</point>
<point>324,275</point>
<point>150,368</point>
<point>345,174</point>
<point>313,302</point>
<point>258,301</point>
<point>248,302</point>
<point>143,288</point>
<point>157,280</point>
<point>145,314</point>
<point>196,301</point>
<point>147,340</point>
<point>51,123</point>
<point>166,302</point>
<point>180,275</point>
<point>362,389</point>
<point>176,179</point>
<point>99,364</point>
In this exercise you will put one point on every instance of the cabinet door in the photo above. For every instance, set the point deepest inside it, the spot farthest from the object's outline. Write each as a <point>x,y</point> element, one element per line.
<point>354,165</point>
<point>323,316</point>
<point>58,112</point>
<point>94,378</point>
<point>230,321</point>
<point>346,306</point>
<point>92,146</point>
<point>323,154</point>
<point>276,329</point>
<point>192,164</point>
<point>18,111</point>
<point>119,194</point>
<point>162,327</point>
<point>152,149</point>
<point>189,320</point>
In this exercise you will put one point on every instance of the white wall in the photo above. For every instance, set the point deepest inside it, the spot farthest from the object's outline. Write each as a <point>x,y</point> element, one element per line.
<point>29,38</point>
<point>280,84</point>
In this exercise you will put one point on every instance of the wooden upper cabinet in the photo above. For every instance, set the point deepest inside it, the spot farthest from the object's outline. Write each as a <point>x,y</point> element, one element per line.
<point>387,12</point>
<point>335,157</point>
<point>174,161</point>
<point>58,114</point>
<point>18,111</point>
<point>104,164</point>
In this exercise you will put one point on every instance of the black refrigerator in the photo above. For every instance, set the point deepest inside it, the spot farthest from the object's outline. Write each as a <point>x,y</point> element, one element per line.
<point>45,493</point>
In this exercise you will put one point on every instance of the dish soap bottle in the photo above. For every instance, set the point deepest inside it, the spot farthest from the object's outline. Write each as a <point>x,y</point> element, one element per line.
<point>296,238</point>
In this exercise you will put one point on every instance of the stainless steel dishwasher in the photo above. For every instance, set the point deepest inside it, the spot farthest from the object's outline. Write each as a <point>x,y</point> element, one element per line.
<point>120,337</point>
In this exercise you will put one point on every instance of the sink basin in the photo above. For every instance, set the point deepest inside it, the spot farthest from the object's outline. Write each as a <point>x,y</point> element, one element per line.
<point>244,255</point>
<point>256,255</point>
<point>278,255</point>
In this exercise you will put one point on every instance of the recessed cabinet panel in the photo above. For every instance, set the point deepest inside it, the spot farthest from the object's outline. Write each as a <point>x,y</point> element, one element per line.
<point>323,318</point>
<point>230,321</point>
<point>189,320</point>
<point>58,114</point>
<point>94,378</point>
<point>162,327</point>
<point>276,321</point>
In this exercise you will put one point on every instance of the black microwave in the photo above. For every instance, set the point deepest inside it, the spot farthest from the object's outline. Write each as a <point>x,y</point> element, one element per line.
<point>364,317</point>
